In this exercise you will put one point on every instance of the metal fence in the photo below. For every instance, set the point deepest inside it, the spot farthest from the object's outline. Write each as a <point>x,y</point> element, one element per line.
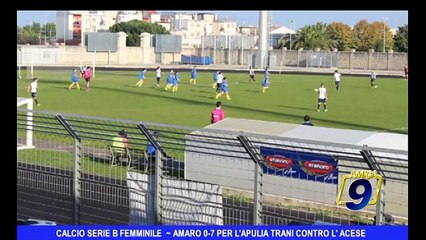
<point>224,52</point>
<point>71,175</point>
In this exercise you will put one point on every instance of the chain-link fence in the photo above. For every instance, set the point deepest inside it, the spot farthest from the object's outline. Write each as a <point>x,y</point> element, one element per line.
<point>223,50</point>
<point>75,173</point>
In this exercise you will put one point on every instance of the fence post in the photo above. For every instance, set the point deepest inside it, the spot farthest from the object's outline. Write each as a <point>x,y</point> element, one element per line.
<point>373,165</point>
<point>258,174</point>
<point>76,170</point>
<point>158,208</point>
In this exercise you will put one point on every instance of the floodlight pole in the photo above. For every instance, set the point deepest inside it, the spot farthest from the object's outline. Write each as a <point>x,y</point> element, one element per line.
<point>384,19</point>
<point>45,29</point>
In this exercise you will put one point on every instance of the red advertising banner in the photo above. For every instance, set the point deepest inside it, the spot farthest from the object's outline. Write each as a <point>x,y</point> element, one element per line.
<point>76,31</point>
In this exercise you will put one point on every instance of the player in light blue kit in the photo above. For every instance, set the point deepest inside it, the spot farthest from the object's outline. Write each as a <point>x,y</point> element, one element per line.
<point>169,80</point>
<point>176,81</point>
<point>223,89</point>
<point>265,81</point>
<point>215,74</point>
<point>141,77</point>
<point>193,76</point>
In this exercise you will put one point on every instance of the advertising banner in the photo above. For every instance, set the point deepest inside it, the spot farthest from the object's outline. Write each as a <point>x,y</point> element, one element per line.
<point>300,165</point>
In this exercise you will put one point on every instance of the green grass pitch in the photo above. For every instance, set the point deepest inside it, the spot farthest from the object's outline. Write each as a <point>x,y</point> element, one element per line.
<point>290,97</point>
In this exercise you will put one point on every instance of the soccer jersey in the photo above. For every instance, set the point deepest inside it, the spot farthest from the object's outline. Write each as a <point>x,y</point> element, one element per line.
<point>194,73</point>
<point>33,86</point>
<point>266,74</point>
<point>170,78</point>
<point>74,77</point>
<point>322,93</point>
<point>224,86</point>
<point>373,76</point>
<point>158,73</point>
<point>176,79</point>
<point>141,75</point>
<point>219,78</point>
<point>217,115</point>
<point>265,82</point>
<point>337,77</point>
<point>87,74</point>
<point>251,72</point>
<point>215,74</point>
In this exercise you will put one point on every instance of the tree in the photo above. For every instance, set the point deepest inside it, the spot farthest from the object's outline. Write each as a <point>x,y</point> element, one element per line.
<point>32,34</point>
<point>313,36</point>
<point>341,34</point>
<point>401,39</point>
<point>50,30</point>
<point>135,27</point>
<point>370,36</point>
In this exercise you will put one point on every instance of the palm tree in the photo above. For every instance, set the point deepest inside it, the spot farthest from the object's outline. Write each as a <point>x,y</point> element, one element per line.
<point>313,36</point>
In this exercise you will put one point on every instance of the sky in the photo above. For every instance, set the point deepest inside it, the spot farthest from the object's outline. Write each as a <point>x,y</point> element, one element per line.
<point>395,19</point>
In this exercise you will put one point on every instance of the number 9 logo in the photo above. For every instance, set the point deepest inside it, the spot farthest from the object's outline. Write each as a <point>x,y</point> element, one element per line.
<point>361,182</point>
<point>364,196</point>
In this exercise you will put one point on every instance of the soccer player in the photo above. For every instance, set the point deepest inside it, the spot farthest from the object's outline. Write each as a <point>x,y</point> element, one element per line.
<point>251,74</point>
<point>217,114</point>
<point>74,80</point>
<point>158,75</point>
<point>141,77</point>
<point>215,79</point>
<point>223,89</point>
<point>373,80</point>
<point>175,82</point>
<point>170,77</point>
<point>33,89</point>
<point>219,81</point>
<point>193,75</point>
<point>87,75</point>
<point>82,69</point>
<point>265,83</point>
<point>322,97</point>
<point>337,76</point>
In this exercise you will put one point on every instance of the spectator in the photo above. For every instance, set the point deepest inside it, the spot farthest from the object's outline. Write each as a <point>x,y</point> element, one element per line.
<point>150,149</point>
<point>120,145</point>
<point>33,89</point>
<point>307,121</point>
<point>406,72</point>
<point>217,114</point>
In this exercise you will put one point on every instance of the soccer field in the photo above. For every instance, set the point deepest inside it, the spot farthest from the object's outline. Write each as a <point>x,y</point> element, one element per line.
<point>290,97</point>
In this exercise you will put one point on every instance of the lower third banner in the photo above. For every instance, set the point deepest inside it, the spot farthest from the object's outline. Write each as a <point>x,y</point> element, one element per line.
<point>212,232</point>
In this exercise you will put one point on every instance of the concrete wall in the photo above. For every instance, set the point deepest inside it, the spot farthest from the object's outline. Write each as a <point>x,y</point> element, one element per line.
<point>145,54</point>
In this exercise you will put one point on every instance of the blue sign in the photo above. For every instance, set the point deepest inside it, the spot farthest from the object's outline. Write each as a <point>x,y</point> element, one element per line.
<point>300,165</point>
<point>98,232</point>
